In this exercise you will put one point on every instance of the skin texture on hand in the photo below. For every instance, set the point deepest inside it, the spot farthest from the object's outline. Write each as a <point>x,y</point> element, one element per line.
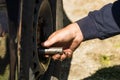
<point>68,37</point>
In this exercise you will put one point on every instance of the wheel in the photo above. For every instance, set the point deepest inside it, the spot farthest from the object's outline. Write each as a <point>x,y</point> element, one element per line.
<point>39,20</point>
<point>43,27</point>
<point>46,22</point>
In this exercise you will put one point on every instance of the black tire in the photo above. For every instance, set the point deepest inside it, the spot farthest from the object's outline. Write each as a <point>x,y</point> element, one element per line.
<point>26,39</point>
<point>39,20</point>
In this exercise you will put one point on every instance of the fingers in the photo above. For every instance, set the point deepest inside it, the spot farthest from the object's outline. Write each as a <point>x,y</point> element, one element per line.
<point>66,54</point>
<point>56,57</point>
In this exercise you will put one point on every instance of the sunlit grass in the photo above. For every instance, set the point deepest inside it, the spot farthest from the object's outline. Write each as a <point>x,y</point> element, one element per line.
<point>5,75</point>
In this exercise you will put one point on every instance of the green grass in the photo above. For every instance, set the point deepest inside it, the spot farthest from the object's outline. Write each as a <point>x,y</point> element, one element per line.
<point>5,74</point>
<point>4,60</point>
<point>105,60</point>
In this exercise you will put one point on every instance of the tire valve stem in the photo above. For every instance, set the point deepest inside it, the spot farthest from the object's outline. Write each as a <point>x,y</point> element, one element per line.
<point>51,51</point>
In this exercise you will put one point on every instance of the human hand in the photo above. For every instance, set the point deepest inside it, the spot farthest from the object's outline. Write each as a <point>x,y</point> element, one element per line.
<point>69,38</point>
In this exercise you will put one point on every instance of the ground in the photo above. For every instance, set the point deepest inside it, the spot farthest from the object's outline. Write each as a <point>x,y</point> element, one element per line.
<point>94,59</point>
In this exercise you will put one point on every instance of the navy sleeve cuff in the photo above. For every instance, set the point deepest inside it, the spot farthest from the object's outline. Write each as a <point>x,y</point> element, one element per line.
<point>88,28</point>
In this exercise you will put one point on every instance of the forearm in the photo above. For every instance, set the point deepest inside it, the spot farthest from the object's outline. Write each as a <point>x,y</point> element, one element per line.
<point>99,24</point>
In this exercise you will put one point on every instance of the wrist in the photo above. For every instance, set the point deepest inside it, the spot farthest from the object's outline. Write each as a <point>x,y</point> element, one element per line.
<point>76,31</point>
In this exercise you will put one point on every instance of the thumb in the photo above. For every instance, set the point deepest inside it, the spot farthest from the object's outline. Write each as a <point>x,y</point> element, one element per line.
<point>46,44</point>
<point>49,42</point>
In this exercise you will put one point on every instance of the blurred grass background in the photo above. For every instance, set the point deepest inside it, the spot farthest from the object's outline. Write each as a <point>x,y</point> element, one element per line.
<point>94,59</point>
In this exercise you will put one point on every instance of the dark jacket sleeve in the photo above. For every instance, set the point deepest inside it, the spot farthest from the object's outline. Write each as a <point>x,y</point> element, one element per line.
<point>101,23</point>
